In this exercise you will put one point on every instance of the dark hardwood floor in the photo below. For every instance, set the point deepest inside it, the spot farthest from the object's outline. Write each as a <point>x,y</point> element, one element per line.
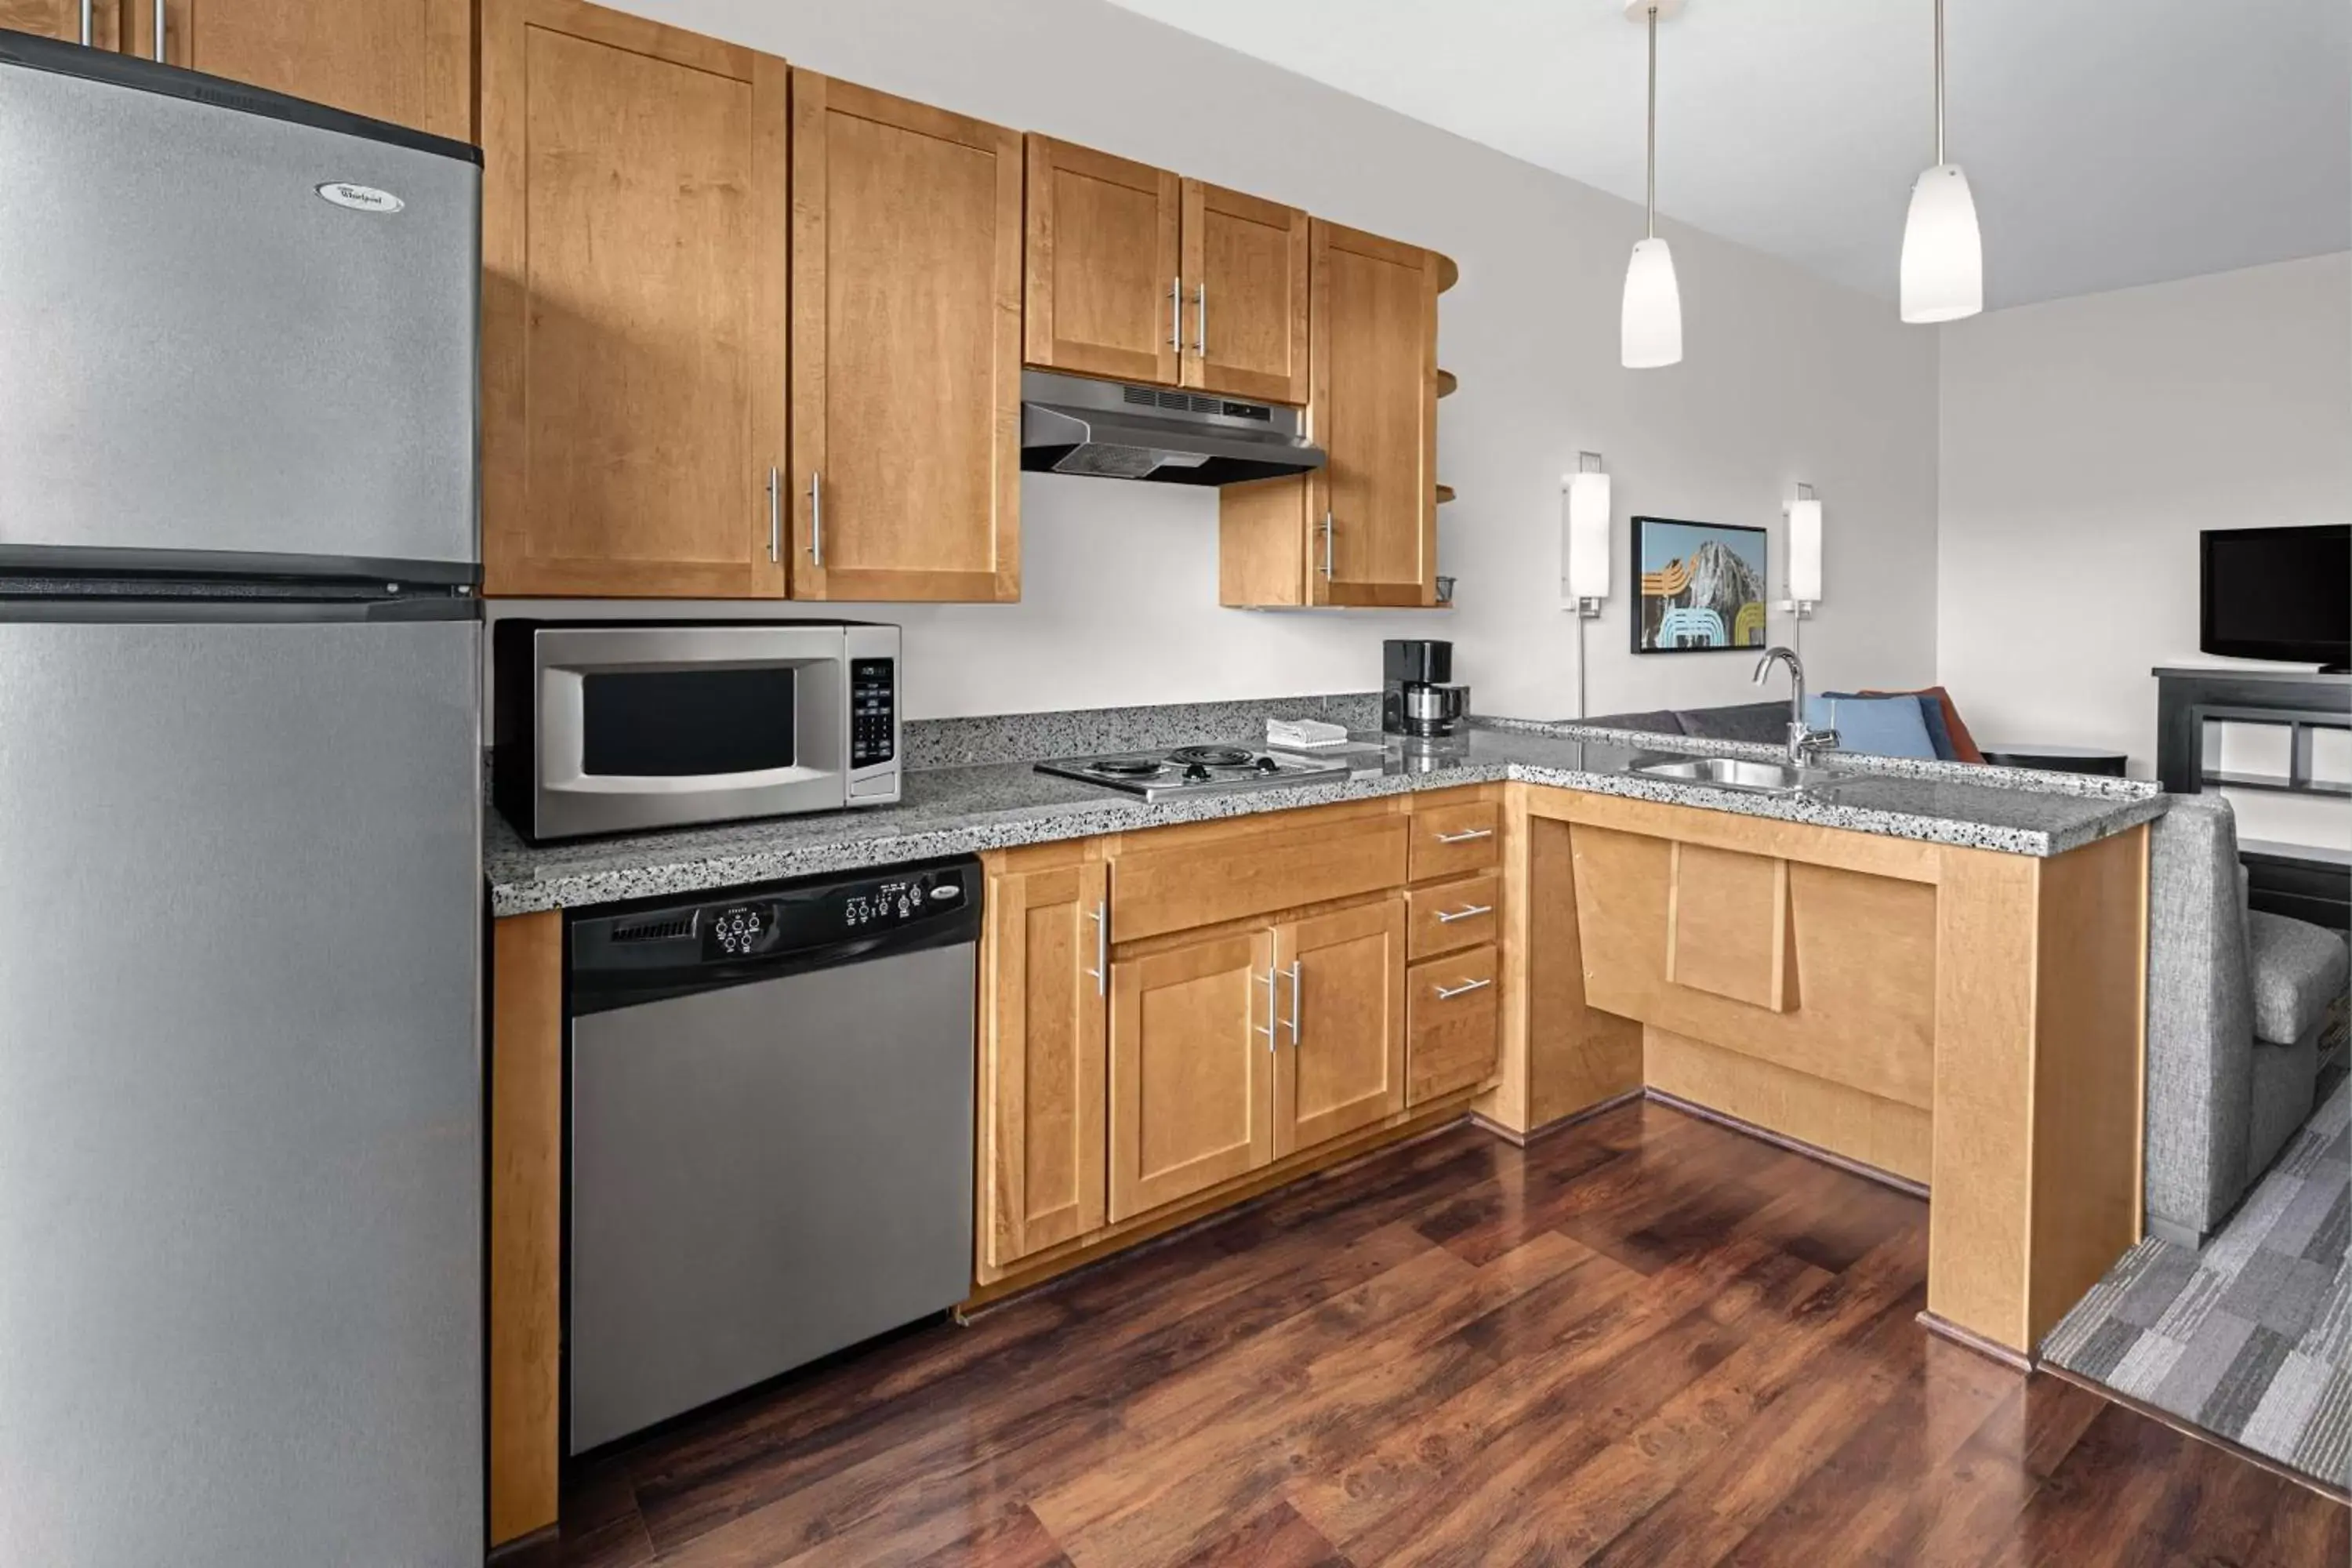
<point>1645,1339</point>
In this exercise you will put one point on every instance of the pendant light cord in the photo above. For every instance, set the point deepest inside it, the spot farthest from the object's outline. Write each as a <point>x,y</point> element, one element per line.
<point>1653,196</point>
<point>1940,76</point>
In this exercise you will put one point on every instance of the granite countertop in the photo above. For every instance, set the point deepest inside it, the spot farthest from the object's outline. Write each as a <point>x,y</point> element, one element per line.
<point>959,810</point>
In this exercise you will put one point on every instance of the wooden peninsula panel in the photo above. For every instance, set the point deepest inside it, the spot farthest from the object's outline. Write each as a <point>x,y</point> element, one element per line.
<point>526,1222</point>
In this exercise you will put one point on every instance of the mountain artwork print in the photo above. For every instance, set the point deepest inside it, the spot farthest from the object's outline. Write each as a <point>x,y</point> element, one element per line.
<point>1702,585</point>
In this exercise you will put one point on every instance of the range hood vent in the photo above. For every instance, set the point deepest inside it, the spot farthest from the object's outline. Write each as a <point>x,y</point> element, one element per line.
<point>1114,430</point>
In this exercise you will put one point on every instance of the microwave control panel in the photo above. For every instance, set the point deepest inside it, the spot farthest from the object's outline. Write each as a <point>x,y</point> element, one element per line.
<point>872,710</point>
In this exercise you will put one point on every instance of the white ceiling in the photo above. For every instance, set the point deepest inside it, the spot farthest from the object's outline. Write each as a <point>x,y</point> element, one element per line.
<point>2108,144</point>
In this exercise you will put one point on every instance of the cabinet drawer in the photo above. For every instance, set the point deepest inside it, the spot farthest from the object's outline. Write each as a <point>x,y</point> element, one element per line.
<point>1452,914</point>
<point>1182,888</point>
<point>1448,840</point>
<point>1452,1023</point>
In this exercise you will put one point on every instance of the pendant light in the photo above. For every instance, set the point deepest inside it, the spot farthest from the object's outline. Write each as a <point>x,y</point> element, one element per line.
<point>1943,253</point>
<point>1650,328</point>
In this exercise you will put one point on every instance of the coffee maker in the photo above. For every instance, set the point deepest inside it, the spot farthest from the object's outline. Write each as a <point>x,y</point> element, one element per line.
<point>1419,699</point>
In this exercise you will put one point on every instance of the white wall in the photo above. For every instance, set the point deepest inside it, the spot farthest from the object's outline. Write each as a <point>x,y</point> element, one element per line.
<point>2084,443</point>
<point>1787,378</point>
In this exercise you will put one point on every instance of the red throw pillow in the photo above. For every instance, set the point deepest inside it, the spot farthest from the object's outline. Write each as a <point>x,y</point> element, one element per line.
<point>1963,742</point>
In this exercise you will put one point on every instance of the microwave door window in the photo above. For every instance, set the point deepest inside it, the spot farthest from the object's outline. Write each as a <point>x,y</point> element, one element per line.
<point>685,723</point>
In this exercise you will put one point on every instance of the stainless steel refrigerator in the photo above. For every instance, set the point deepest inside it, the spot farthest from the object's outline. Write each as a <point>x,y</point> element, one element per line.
<point>240,1088</point>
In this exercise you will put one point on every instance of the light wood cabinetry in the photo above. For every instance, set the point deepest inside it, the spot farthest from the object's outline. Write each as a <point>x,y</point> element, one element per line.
<point>1043,1057</point>
<point>1136,275</point>
<point>1104,294</point>
<point>407,61</point>
<point>633,311</point>
<point>525,1198</point>
<point>1362,529</point>
<point>1453,1024</point>
<point>1192,1059</point>
<point>62,19</point>
<point>1246,273</point>
<point>906,349</point>
<point>1341,978</point>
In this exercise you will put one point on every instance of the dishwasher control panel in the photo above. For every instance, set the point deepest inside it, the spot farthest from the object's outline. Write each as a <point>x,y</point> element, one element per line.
<point>787,923</point>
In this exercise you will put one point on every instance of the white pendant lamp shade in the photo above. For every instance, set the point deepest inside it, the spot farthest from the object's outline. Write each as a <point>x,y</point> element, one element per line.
<point>1943,253</point>
<point>1651,328</point>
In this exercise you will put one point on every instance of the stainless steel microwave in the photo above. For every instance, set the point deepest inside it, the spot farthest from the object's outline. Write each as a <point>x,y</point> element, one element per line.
<point>619,726</point>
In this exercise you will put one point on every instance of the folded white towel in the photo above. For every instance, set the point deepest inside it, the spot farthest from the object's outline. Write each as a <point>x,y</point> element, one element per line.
<point>1304,735</point>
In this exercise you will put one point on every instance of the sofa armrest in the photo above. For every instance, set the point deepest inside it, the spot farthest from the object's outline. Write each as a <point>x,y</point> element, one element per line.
<point>2200,1019</point>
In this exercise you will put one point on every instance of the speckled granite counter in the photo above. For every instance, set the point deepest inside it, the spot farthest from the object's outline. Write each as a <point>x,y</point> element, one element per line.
<point>959,810</point>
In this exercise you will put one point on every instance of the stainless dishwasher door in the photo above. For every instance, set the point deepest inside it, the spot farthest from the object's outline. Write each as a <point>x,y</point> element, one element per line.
<point>763,1174</point>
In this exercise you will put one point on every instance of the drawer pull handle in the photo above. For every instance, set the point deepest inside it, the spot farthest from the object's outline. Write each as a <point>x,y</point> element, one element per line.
<point>1447,993</point>
<point>1447,917</point>
<point>1465,835</point>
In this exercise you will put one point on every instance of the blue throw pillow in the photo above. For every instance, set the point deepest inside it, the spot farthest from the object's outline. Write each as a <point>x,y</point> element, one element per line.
<point>1931,713</point>
<point>1881,726</point>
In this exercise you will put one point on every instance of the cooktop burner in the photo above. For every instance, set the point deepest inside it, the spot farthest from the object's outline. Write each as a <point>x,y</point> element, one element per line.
<point>1191,769</point>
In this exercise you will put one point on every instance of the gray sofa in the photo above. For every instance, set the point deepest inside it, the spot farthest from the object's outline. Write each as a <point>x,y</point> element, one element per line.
<point>1764,721</point>
<point>2236,1000</point>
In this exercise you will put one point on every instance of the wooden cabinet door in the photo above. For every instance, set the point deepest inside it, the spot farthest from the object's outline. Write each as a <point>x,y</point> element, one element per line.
<point>1191,1071</point>
<point>1342,1021</point>
<point>906,344</point>
<point>408,62</point>
<point>1043,1060</point>
<point>1245,271</point>
<point>633,306</point>
<point>1103,297</point>
<point>1372,508</point>
<point>62,19</point>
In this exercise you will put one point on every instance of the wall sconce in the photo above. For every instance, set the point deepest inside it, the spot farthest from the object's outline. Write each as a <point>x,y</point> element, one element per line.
<point>1584,547</point>
<point>1804,553</point>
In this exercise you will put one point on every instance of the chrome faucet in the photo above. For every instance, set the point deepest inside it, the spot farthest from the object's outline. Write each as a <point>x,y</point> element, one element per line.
<point>1803,740</point>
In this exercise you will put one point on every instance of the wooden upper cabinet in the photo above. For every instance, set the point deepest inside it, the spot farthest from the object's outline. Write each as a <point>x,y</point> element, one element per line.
<point>1043,1060</point>
<point>62,19</point>
<point>1245,276</point>
<point>1362,529</point>
<point>1103,296</point>
<point>407,61</point>
<point>1373,411</point>
<point>1192,1074</point>
<point>906,349</point>
<point>635,271</point>
<point>1342,1050</point>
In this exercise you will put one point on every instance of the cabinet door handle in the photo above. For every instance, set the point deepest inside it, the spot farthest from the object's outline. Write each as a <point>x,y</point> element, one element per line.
<point>1293,1019</point>
<point>86,23</point>
<point>1201,330</point>
<point>1101,971</point>
<point>775,516</point>
<point>159,32</point>
<point>1267,1028</point>
<point>1472,912</point>
<point>1328,531</point>
<point>1465,835</point>
<point>1176,317</point>
<point>816,518</point>
<point>1447,993</point>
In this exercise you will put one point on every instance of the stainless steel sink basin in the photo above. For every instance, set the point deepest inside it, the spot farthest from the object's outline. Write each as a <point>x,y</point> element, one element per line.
<point>1736,772</point>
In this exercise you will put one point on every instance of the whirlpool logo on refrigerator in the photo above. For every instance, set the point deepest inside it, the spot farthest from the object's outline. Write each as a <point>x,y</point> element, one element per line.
<point>359,198</point>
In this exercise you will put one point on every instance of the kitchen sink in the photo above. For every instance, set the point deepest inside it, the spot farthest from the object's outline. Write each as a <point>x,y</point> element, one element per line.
<point>1737,773</point>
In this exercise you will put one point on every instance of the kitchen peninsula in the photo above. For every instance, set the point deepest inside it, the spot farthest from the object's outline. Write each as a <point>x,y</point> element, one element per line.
<point>1931,972</point>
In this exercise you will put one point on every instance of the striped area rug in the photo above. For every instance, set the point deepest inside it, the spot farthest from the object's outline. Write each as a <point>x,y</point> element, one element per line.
<point>2250,1338</point>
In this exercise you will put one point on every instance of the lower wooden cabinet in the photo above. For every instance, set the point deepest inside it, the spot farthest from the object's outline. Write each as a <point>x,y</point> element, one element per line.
<point>1453,1025</point>
<point>1339,1064</point>
<point>1192,1069</point>
<point>1042,1012</point>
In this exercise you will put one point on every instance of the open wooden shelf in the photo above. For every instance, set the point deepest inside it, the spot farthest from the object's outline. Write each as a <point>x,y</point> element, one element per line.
<point>1446,384</point>
<point>1448,274</point>
<point>1444,494</point>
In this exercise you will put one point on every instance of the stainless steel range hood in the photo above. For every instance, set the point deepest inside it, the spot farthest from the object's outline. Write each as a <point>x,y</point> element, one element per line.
<point>1114,430</point>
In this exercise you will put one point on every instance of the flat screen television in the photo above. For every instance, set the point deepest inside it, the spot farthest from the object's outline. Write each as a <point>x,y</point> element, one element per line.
<point>2278,593</point>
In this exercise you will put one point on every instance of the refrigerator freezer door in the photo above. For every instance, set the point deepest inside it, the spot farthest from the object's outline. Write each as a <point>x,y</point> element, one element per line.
<point>204,354</point>
<point>240,1094</point>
